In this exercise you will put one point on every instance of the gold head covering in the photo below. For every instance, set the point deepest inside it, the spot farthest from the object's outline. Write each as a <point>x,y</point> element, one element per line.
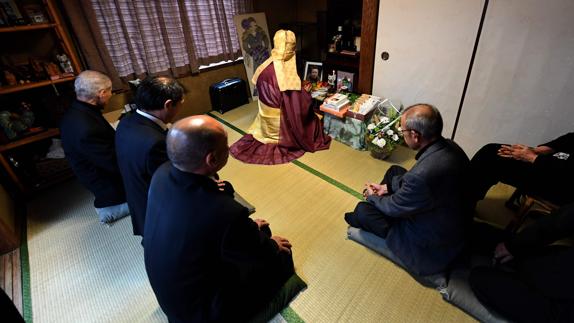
<point>283,58</point>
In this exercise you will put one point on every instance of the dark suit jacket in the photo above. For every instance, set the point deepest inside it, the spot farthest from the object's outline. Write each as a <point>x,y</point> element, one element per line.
<point>88,141</point>
<point>205,258</point>
<point>547,269</point>
<point>430,207</point>
<point>140,149</point>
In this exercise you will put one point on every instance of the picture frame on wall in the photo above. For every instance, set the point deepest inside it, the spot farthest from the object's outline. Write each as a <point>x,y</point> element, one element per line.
<point>313,71</point>
<point>254,41</point>
<point>345,81</point>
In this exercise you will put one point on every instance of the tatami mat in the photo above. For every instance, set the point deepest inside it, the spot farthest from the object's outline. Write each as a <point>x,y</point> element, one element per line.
<point>347,282</point>
<point>340,162</point>
<point>81,271</point>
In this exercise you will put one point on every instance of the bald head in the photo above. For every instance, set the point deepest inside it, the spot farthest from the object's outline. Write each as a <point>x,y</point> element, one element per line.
<point>197,144</point>
<point>424,119</point>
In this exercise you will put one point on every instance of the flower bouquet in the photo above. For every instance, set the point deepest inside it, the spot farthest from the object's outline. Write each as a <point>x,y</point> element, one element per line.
<point>383,134</point>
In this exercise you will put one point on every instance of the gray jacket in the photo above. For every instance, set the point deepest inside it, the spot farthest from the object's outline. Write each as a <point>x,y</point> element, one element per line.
<point>429,204</point>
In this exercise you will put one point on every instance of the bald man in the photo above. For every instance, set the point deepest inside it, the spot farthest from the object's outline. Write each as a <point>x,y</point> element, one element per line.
<point>88,141</point>
<point>422,213</point>
<point>205,258</point>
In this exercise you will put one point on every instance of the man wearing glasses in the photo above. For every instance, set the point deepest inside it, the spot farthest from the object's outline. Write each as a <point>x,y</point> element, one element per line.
<point>421,214</point>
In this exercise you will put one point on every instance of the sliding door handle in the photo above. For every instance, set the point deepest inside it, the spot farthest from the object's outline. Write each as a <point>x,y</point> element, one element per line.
<point>385,56</point>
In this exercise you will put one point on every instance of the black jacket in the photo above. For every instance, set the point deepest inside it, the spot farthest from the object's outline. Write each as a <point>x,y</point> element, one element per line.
<point>558,165</point>
<point>205,258</point>
<point>549,270</point>
<point>140,149</point>
<point>88,141</point>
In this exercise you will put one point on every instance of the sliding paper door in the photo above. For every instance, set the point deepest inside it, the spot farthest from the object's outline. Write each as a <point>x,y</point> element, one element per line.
<point>521,88</point>
<point>429,44</point>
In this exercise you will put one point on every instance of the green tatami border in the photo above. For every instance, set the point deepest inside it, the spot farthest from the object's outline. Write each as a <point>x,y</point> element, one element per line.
<point>25,271</point>
<point>288,313</point>
<point>306,167</point>
<point>291,316</point>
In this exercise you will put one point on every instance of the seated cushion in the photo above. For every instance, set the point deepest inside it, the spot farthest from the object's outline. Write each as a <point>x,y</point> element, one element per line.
<point>456,292</point>
<point>281,300</point>
<point>459,293</point>
<point>379,245</point>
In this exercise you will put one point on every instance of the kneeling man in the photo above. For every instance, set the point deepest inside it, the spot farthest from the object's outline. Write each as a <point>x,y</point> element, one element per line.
<point>205,258</point>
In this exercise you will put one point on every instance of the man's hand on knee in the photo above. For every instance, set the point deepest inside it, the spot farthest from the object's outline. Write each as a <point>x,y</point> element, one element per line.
<point>375,189</point>
<point>283,244</point>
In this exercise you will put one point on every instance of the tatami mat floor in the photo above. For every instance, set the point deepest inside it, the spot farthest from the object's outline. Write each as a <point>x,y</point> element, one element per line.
<point>83,272</point>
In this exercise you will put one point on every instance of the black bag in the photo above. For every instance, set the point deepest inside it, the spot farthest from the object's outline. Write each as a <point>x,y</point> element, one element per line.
<point>228,94</point>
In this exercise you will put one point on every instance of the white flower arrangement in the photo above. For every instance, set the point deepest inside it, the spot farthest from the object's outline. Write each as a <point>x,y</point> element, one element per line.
<point>383,133</point>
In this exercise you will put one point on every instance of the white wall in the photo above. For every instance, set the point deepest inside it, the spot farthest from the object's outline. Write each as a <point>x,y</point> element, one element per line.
<point>522,86</point>
<point>430,44</point>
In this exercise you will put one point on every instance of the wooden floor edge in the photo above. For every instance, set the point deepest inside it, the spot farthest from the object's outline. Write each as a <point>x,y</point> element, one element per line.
<point>11,272</point>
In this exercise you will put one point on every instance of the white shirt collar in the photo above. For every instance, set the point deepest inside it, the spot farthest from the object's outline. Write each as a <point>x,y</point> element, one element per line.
<point>152,118</point>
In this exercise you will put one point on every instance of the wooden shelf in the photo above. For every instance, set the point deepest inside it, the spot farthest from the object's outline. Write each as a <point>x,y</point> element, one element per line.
<point>22,87</point>
<point>24,188</point>
<point>26,28</point>
<point>41,40</point>
<point>51,132</point>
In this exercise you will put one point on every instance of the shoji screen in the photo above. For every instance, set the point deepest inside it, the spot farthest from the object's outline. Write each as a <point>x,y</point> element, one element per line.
<point>429,44</point>
<point>521,88</point>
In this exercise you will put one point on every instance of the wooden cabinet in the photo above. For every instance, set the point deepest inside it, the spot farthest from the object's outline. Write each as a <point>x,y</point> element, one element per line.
<point>31,71</point>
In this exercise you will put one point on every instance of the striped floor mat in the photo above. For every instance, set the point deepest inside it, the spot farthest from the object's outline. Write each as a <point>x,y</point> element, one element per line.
<point>80,271</point>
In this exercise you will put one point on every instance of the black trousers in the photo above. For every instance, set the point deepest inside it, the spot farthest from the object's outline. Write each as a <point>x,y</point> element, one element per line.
<point>487,169</point>
<point>512,297</point>
<point>368,217</point>
<point>260,282</point>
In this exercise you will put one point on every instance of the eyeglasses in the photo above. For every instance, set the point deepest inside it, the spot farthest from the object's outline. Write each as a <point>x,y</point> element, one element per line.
<point>403,130</point>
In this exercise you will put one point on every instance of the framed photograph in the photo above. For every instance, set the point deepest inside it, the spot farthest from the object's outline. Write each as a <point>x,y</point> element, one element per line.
<point>345,81</point>
<point>313,72</point>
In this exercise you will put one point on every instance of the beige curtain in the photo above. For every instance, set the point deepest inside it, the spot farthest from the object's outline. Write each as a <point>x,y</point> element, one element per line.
<point>170,37</point>
<point>91,46</point>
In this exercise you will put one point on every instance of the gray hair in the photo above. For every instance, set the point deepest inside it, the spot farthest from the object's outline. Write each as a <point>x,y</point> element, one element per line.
<point>89,83</point>
<point>427,123</point>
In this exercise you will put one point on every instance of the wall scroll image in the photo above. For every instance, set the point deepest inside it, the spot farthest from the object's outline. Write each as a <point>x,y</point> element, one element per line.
<point>255,42</point>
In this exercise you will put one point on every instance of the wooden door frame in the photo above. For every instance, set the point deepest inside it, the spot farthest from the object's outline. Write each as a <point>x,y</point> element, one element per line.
<point>369,23</point>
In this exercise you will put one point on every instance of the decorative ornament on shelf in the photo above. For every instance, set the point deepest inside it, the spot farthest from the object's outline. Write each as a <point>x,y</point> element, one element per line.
<point>331,79</point>
<point>65,64</point>
<point>383,131</point>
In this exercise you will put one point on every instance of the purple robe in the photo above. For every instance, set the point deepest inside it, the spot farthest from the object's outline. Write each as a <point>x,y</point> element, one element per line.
<point>300,129</point>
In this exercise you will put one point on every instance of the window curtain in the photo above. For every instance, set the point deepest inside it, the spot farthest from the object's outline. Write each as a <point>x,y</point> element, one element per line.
<point>170,37</point>
<point>91,47</point>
